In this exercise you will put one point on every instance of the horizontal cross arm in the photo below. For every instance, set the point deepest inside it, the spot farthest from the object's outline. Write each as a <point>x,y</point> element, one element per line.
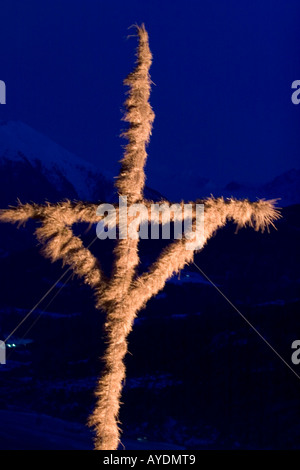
<point>66,212</point>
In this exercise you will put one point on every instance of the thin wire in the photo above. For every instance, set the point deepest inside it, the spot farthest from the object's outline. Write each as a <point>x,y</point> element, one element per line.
<point>47,306</point>
<point>39,316</point>
<point>45,295</point>
<point>247,321</point>
<point>37,304</point>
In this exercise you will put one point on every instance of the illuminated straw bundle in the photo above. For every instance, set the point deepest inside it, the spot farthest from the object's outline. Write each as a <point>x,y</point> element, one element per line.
<point>124,294</point>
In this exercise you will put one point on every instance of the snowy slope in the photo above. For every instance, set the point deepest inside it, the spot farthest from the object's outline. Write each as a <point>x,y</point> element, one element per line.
<point>285,187</point>
<point>32,165</point>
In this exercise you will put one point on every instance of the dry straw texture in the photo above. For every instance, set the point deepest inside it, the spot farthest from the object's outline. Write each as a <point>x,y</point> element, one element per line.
<point>124,294</point>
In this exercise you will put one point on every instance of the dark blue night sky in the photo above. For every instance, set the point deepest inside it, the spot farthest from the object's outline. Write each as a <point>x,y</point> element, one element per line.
<point>198,374</point>
<point>222,72</point>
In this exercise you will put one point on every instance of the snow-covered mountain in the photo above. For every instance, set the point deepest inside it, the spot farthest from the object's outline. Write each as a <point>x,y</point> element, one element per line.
<point>33,167</point>
<point>285,187</point>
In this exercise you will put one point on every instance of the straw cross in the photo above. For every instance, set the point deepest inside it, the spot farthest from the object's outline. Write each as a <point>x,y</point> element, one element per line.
<point>123,294</point>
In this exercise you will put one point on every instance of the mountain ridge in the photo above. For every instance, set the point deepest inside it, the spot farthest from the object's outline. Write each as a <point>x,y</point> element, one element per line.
<point>35,168</point>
